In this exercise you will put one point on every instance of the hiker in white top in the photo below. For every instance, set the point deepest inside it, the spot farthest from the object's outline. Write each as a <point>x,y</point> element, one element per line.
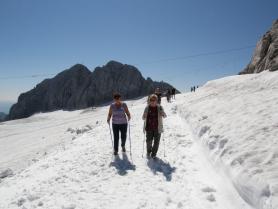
<point>120,117</point>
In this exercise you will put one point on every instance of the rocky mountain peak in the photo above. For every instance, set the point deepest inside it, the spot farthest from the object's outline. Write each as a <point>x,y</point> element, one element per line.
<point>275,24</point>
<point>265,56</point>
<point>114,65</point>
<point>76,69</point>
<point>78,88</point>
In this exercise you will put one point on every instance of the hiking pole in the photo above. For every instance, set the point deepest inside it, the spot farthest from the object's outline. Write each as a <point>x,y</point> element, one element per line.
<point>129,141</point>
<point>111,137</point>
<point>143,146</point>
<point>164,144</point>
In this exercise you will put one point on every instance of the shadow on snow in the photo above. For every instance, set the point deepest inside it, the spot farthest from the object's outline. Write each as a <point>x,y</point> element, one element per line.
<point>159,166</point>
<point>122,165</point>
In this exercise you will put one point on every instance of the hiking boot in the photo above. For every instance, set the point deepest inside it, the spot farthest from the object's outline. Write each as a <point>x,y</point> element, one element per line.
<point>148,155</point>
<point>115,152</point>
<point>123,149</point>
<point>153,156</point>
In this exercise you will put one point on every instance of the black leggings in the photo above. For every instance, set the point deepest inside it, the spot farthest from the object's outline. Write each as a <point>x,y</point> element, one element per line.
<point>117,128</point>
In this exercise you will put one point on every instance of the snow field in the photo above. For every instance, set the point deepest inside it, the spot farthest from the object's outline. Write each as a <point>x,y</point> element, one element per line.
<point>83,174</point>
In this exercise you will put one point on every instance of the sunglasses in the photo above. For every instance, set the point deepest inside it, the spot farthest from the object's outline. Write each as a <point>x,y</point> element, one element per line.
<point>152,100</point>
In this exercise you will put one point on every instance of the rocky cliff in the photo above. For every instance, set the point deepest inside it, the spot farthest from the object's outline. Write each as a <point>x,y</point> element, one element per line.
<point>78,88</point>
<point>265,56</point>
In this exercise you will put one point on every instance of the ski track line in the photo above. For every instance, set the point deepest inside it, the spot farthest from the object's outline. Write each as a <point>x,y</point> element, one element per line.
<point>86,176</point>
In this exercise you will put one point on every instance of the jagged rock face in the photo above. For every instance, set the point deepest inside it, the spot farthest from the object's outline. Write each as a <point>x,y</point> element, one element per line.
<point>265,56</point>
<point>78,88</point>
<point>64,91</point>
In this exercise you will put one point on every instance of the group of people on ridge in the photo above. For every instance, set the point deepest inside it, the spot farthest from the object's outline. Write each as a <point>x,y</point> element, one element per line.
<point>153,122</point>
<point>193,89</point>
<point>170,94</point>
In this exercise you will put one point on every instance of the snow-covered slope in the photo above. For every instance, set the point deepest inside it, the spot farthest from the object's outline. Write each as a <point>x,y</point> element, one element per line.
<point>82,174</point>
<point>221,152</point>
<point>24,141</point>
<point>236,118</point>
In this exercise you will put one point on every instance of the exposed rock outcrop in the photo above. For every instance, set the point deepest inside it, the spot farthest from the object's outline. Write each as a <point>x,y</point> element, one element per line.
<point>265,56</point>
<point>78,88</point>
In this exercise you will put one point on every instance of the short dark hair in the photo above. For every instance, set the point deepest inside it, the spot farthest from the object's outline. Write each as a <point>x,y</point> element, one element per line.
<point>117,95</point>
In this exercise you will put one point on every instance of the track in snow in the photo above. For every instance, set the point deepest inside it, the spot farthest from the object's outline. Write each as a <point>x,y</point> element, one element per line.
<point>86,176</point>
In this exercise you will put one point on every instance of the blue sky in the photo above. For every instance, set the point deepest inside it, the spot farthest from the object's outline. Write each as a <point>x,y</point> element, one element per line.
<point>46,37</point>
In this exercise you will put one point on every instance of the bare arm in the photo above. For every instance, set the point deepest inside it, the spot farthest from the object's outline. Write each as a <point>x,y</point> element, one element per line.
<point>127,112</point>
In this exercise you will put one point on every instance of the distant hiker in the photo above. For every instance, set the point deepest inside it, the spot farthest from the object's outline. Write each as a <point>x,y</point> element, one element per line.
<point>153,126</point>
<point>168,95</point>
<point>158,94</point>
<point>173,93</point>
<point>120,114</point>
<point>191,89</point>
<point>194,88</point>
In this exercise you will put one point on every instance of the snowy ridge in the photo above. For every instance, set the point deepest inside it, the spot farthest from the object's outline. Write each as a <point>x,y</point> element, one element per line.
<point>236,119</point>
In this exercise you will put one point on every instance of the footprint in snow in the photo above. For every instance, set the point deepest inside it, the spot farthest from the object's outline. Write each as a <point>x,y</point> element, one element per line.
<point>208,190</point>
<point>32,198</point>
<point>180,205</point>
<point>211,198</point>
<point>168,201</point>
<point>180,135</point>
<point>45,166</point>
<point>204,130</point>
<point>203,118</point>
<point>72,206</point>
<point>21,201</point>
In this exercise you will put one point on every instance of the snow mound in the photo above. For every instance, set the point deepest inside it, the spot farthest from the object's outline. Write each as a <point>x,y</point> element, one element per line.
<point>236,118</point>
